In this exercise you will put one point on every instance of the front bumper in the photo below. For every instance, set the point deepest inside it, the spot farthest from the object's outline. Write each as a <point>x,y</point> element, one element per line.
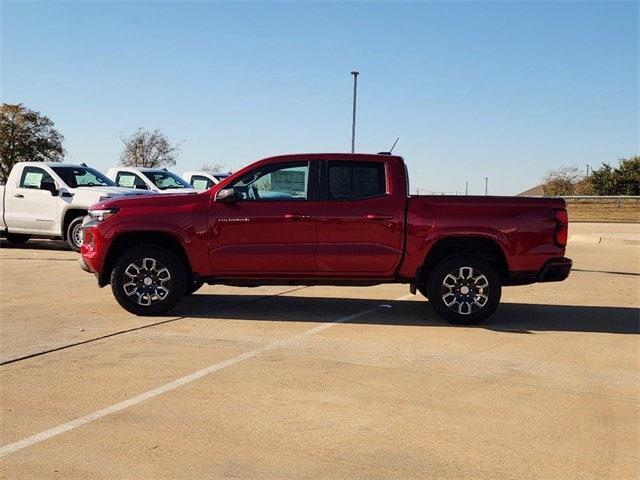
<point>83,265</point>
<point>555,270</point>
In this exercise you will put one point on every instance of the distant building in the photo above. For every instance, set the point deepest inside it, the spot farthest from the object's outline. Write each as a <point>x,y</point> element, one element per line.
<point>537,191</point>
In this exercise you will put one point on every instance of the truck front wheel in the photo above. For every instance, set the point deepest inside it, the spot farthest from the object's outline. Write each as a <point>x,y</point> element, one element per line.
<point>74,234</point>
<point>464,290</point>
<point>148,280</point>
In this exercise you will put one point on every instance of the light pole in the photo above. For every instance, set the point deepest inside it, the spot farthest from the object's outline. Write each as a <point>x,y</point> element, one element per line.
<point>486,186</point>
<point>353,122</point>
<point>466,188</point>
<point>587,170</point>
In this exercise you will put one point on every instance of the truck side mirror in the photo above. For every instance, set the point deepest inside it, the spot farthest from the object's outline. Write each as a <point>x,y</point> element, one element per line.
<point>226,195</point>
<point>50,187</point>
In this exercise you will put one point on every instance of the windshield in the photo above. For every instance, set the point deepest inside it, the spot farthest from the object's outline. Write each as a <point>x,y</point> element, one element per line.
<point>82,177</point>
<point>164,180</point>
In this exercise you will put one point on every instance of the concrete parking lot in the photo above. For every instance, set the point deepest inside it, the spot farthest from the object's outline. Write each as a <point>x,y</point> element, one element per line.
<point>319,382</point>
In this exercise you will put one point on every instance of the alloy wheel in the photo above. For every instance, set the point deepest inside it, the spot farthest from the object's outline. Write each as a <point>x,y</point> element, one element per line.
<point>465,290</point>
<point>147,281</point>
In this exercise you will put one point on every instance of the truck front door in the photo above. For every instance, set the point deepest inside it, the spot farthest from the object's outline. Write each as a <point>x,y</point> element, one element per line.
<point>270,228</point>
<point>31,206</point>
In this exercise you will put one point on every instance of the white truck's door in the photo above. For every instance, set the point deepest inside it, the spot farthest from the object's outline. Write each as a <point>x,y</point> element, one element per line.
<point>29,207</point>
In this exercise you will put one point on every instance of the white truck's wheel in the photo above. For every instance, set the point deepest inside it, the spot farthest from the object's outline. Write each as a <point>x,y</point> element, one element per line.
<point>75,234</point>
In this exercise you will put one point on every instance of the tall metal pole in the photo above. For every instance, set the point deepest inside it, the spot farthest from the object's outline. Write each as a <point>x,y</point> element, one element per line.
<point>486,186</point>
<point>466,188</point>
<point>353,123</point>
<point>587,170</point>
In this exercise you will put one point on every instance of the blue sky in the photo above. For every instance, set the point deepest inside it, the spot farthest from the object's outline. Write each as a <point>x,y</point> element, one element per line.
<point>506,90</point>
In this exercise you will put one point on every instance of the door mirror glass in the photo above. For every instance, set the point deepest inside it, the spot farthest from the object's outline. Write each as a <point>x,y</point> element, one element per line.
<point>226,195</point>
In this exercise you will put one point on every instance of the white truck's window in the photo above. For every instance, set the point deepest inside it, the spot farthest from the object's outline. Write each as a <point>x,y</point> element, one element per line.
<point>201,183</point>
<point>164,180</point>
<point>130,180</point>
<point>32,177</point>
<point>82,177</point>
<point>275,182</point>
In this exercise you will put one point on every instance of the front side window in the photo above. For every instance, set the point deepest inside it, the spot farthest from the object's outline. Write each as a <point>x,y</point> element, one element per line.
<point>200,182</point>
<point>82,177</point>
<point>354,180</point>
<point>164,180</point>
<point>275,182</point>
<point>34,177</point>
<point>130,180</point>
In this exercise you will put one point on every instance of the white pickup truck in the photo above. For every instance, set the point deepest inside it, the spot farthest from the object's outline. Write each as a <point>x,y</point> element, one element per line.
<point>202,180</point>
<point>158,180</point>
<point>51,200</point>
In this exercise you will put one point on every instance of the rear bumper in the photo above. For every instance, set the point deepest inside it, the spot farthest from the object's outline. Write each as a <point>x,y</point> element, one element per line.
<point>555,270</point>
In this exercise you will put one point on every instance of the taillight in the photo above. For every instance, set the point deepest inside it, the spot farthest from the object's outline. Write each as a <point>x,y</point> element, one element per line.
<point>561,232</point>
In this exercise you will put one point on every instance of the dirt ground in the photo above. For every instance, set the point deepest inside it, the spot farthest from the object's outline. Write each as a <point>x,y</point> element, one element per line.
<point>604,210</point>
<point>319,382</point>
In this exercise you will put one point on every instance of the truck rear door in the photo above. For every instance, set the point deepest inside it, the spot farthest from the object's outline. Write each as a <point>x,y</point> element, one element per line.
<point>360,224</point>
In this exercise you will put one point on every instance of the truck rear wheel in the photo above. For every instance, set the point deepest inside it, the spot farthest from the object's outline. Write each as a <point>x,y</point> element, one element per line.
<point>148,280</point>
<point>464,290</point>
<point>17,238</point>
<point>75,234</point>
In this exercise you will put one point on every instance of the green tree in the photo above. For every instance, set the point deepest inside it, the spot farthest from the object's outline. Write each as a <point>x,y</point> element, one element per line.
<point>628,176</point>
<point>148,148</point>
<point>623,180</point>
<point>26,135</point>
<point>603,180</point>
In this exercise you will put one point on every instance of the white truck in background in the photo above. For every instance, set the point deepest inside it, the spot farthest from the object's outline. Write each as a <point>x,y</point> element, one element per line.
<point>51,199</point>
<point>203,180</point>
<point>158,180</point>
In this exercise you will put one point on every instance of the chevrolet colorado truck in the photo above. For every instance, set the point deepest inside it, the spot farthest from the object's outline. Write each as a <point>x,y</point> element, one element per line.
<point>325,219</point>
<point>51,200</point>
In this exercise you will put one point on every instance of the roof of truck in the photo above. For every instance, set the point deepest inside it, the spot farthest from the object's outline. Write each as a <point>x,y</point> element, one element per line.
<point>55,164</point>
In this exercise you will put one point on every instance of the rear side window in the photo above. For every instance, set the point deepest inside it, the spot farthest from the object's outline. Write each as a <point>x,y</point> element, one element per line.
<point>354,180</point>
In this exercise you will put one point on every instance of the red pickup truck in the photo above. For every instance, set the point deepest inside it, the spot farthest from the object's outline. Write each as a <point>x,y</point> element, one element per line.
<point>325,219</point>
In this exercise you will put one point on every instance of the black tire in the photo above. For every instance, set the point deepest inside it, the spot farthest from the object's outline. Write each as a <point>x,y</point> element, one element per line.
<point>148,298</point>
<point>74,234</point>
<point>193,287</point>
<point>17,238</point>
<point>471,295</point>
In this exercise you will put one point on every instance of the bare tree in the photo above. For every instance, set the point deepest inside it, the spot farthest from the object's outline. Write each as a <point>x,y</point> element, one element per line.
<point>148,148</point>
<point>561,181</point>
<point>213,167</point>
<point>26,135</point>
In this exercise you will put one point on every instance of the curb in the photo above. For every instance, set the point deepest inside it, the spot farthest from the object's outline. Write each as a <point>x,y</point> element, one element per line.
<point>603,240</point>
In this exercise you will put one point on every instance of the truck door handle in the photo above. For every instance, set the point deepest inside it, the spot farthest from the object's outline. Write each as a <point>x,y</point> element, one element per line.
<point>296,216</point>
<point>18,195</point>
<point>378,217</point>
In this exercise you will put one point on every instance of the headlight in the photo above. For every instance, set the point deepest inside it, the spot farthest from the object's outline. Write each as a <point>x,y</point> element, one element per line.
<point>106,197</point>
<point>100,215</point>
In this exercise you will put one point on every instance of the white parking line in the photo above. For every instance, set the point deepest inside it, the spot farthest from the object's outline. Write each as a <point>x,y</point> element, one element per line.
<point>92,417</point>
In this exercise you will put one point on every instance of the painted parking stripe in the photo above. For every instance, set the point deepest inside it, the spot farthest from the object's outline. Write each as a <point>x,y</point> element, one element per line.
<point>92,417</point>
